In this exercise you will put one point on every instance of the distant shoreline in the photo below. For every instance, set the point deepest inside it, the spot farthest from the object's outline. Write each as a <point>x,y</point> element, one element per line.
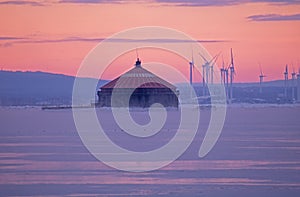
<point>235,105</point>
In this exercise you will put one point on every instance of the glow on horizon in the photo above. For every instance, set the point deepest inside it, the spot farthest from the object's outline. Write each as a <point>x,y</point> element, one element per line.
<point>49,37</point>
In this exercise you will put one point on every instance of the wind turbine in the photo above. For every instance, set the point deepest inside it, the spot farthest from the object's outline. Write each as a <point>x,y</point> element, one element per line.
<point>232,73</point>
<point>224,77</point>
<point>204,73</point>
<point>212,68</point>
<point>293,74</point>
<point>207,70</point>
<point>286,78</point>
<point>227,82</point>
<point>261,79</point>
<point>191,68</point>
<point>293,84</point>
<point>222,71</point>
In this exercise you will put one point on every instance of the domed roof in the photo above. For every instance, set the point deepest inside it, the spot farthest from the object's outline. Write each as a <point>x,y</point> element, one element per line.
<point>138,77</point>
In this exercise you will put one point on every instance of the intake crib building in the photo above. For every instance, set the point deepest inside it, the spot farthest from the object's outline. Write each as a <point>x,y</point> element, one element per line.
<point>137,88</point>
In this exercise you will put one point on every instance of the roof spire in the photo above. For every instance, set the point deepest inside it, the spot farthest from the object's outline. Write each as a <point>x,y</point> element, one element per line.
<point>138,62</point>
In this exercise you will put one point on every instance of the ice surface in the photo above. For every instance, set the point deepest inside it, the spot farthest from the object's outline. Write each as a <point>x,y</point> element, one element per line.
<point>258,154</point>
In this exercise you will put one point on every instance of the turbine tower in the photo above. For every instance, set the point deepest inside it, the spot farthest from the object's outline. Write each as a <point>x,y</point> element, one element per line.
<point>222,71</point>
<point>203,79</point>
<point>225,78</point>
<point>298,86</point>
<point>232,73</point>
<point>261,79</point>
<point>293,84</point>
<point>212,74</point>
<point>286,78</point>
<point>205,74</point>
<point>213,61</point>
<point>191,69</point>
<point>227,82</point>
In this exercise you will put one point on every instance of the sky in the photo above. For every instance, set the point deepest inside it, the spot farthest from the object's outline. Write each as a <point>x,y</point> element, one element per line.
<point>56,35</point>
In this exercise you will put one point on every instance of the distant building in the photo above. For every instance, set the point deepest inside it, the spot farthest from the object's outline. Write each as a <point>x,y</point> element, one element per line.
<point>146,89</point>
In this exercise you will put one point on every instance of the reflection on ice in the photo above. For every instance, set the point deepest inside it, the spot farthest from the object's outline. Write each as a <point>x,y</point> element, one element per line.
<point>258,155</point>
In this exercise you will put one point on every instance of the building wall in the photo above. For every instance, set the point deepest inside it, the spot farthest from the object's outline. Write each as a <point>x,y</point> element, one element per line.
<point>141,97</point>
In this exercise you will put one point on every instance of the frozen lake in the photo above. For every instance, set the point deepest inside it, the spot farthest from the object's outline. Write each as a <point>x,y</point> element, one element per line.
<point>257,154</point>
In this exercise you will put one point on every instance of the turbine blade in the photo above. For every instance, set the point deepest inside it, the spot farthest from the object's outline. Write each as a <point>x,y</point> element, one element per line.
<point>231,54</point>
<point>192,56</point>
<point>260,69</point>
<point>203,58</point>
<point>223,64</point>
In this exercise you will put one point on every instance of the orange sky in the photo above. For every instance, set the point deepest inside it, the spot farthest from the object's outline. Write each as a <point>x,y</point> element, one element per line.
<point>37,33</point>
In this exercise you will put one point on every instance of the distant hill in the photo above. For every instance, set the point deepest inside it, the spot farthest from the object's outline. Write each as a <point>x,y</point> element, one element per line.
<point>36,88</point>
<point>40,88</point>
